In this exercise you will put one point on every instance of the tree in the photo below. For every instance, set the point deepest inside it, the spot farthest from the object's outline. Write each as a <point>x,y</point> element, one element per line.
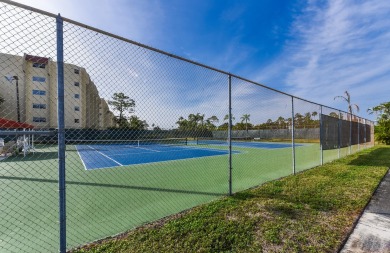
<point>136,123</point>
<point>227,117</point>
<point>307,120</point>
<point>155,127</point>
<point>196,122</point>
<point>280,122</point>
<point>298,120</point>
<point>213,119</point>
<point>334,114</point>
<point>122,104</point>
<point>382,130</point>
<point>347,99</point>
<point>242,126</point>
<point>246,118</point>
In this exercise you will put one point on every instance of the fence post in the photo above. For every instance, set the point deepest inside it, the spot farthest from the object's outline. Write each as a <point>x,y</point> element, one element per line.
<point>358,136</point>
<point>365,133</point>
<point>61,133</point>
<point>339,135</point>
<point>292,134</point>
<point>350,134</point>
<point>230,136</point>
<point>321,148</point>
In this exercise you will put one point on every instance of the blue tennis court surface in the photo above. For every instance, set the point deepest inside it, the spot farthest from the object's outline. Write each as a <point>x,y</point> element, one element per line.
<point>248,144</point>
<point>106,156</point>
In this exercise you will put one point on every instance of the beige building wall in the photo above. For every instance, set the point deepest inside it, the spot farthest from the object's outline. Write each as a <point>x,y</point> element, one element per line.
<point>38,93</point>
<point>106,117</point>
<point>93,104</point>
<point>11,65</point>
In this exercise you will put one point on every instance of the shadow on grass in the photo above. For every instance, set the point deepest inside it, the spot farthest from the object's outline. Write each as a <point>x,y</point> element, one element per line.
<point>131,187</point>
<point>377,157</point>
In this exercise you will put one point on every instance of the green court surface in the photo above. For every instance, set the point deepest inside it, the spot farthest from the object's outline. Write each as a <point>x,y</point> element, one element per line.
<point>106,202</point>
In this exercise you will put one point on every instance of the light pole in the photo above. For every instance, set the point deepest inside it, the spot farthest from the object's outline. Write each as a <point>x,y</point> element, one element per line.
<point>17,93</point>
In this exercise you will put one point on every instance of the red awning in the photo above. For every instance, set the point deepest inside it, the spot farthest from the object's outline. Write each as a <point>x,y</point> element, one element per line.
<point>37,59</point>
<point>10,124</point>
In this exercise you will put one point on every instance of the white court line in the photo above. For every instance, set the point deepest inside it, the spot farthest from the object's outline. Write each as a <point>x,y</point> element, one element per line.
<point>141,153</point>
<point>85,167</point>
<point>149,149</point>
<point>106,156</point>
<point>175,150</point>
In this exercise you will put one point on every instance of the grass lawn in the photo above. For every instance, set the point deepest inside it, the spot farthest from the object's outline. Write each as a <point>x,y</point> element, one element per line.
<point>312,211</point>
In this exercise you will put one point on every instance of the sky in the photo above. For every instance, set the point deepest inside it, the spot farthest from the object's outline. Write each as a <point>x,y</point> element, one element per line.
<point>314,50</point>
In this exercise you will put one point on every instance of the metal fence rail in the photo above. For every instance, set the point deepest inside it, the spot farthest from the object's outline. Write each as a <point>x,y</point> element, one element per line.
<point>100,134</point>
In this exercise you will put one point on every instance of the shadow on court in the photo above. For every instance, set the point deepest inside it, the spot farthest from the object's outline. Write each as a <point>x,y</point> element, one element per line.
<point>141,188</point>
<point>37,156</point>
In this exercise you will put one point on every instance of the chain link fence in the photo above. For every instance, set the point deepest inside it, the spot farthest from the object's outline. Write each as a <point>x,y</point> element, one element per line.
<point>137,135</point>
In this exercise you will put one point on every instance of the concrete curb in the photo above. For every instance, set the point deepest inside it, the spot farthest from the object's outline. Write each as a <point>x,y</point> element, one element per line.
<point>371,231</point>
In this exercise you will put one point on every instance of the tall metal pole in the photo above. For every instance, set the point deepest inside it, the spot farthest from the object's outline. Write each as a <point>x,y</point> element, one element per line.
<point>230,135</point>
<point>61,134</point>
<point>292,134</point>
<point>321,136</point>
<point>17,97</point>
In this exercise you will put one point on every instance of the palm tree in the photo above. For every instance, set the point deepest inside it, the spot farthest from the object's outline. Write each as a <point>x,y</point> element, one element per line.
<point>298,120</point>
<point>213,119</point>
<point>307,120</point>
<point>347,99</point>
<point>246,118</point>
<point>227,117</point>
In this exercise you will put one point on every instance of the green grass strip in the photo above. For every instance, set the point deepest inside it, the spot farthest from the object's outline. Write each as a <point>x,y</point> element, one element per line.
<point>310,212</point>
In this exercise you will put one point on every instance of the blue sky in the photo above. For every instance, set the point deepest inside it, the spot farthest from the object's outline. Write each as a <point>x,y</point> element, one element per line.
<point>311,49</point>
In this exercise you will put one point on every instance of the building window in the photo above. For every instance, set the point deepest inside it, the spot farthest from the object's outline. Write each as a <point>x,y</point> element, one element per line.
<point>77,71</point>
<point>76,120</point>
<point>39,65</point>
<point>39,92</point>
<point>77,96</point>
<point>77,108</point>
<point>39,106</point>
<point>76,84</point>
<point>39,119</point>
<point>39,79</point>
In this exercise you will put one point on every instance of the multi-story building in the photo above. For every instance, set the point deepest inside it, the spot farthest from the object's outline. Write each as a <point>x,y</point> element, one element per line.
<point>29,88</point>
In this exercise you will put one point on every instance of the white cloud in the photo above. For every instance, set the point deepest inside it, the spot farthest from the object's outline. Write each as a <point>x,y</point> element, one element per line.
<point>342,45</point>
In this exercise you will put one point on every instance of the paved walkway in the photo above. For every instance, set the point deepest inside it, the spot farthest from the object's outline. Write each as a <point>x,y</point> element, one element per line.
<point>372,233</point>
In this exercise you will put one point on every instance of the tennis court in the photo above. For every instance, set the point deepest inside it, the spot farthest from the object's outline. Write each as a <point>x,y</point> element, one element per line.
<point>246,143</point>
<point>109,154</point>
<point>151,184</point>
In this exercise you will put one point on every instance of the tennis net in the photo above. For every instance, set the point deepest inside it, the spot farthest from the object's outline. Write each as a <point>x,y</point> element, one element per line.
<point>219,141</point>
<point>134,143</point>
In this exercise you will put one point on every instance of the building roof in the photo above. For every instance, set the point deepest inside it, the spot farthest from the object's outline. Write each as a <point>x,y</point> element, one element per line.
<point>36,59</point>
<point>10,124</point>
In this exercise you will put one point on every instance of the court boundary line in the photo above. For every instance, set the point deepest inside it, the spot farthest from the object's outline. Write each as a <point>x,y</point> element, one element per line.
<point>239,146</point>
<point>149,163</point>
<point>78,153</point>
<point>105,155</point>
<point>156,151</point>
<point>177,150</point>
